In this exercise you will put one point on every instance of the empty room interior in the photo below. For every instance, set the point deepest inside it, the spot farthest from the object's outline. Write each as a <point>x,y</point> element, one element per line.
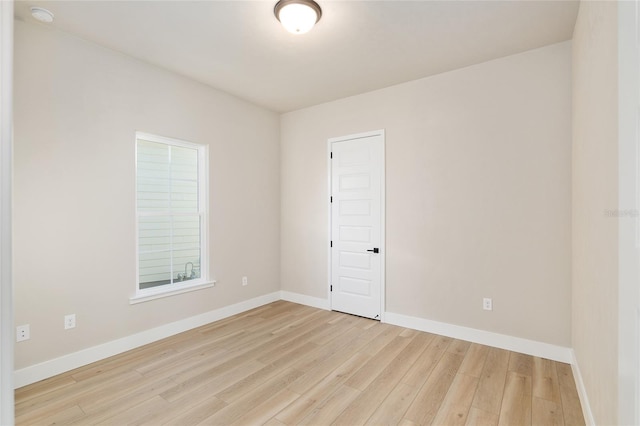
<point>387,212</point>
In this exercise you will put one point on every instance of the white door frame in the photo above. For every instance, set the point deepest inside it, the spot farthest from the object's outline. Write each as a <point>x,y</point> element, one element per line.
<point>383,250</point>
<point>6,284</point>
<point>629,200</point>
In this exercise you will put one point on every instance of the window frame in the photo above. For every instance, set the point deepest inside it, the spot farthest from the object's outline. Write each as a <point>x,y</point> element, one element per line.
<point>151,293</point>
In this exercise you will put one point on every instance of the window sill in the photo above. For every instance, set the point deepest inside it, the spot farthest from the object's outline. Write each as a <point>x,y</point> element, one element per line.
<point>147,296</point>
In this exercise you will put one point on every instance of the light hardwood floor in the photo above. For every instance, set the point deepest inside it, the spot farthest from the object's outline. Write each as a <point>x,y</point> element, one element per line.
<point>285,363</point>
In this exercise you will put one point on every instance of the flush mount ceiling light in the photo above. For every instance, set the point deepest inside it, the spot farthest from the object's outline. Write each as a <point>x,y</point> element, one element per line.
<point>42,15</point>
<point>297,16</point>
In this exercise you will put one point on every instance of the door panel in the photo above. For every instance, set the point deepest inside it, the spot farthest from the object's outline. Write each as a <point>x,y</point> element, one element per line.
<point>356,225</point>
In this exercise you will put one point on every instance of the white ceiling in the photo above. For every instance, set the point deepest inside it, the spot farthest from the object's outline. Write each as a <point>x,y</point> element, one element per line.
<point>358,46</point>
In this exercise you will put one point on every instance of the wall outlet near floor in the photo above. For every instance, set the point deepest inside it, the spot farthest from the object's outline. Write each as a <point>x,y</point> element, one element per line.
<point>23,333</point>
<point>245,281</point>
<point>487,304</point>
<point>69,321</point>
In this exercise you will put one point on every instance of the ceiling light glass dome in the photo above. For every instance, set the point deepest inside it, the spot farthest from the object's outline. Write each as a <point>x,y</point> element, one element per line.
<point>298,16</point>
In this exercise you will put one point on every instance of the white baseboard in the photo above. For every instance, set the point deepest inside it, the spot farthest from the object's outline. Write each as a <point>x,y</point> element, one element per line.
<point>502,341</point>
<point>37,372</point>
<point>516,344</point>
<point>303,299</point>
<point>582,391</point>
<point>74,360</point>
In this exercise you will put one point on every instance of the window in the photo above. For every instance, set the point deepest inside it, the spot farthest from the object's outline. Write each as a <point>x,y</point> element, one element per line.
<point>171,197</point>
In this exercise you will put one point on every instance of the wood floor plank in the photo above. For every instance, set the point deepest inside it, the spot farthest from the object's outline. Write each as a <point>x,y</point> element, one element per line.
<point>571,408</point>
<point>459,347</point>
<point>172,359</point>
<point>330,408</point>
<point>243,386</point>
<point>240,388</point>
<point>521,364</point>
<point>115,368</point>
<point>408,333</point>
<point>302,322</point>
<point>420,371</point>
<point>68,415</point>
<point>113,365</point>
<point>100,400</point>
<point>35,409</point>
<point>333,330</point>
<point>202,372</point>
<point>267,409</point>
<point>262,332</point>
<point>228,326</point>
<point>280,309</point>
<point>212,383</point>
<point>389,333</point>
<point>285,364</point>
<point>478,417</point>
<point>339,356</point>
<point>455,407</point>
<point>363,407</point>
<point>165,413</point>
<point>474,360</point>
<point>392,409</point>
<point>194,414</point>
<point>296,411</point>
<point>196,364</point>
<point>60,394</point>
<point>374,366</point>
<point>44,386</point>
<point>516,405</point>
<point>314,396</point>
<point>328,332</point>
<point>98,412</point>
<point>492,381</point>
<point>545,380</point>
<point>427,403</point>
<point>253,398</point>
<point>200,357</point>
<point>206,337</point>
<point>304,335</point>
<point>307,363</point>
<point>546,413</point>
<point>136,414</point>
<point>274,422</point>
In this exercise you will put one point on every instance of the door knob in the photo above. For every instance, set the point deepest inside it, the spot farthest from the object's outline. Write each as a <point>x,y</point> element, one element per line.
<point>375,250</point>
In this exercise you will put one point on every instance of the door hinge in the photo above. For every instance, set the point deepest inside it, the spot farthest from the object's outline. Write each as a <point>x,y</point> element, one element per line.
<point>331,155</point>
<point>331,199</point>
<point>331,244</point>
<point>330,288</point>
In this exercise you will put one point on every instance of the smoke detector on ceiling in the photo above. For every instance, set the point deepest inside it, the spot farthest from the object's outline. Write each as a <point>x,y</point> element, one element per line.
<point>42,15</point>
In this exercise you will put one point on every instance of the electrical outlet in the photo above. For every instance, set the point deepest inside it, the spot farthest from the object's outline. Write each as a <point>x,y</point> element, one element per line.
<point>69,321</point>
<point>23,333</point>
<point>245,281</point>
<point>487,304</point>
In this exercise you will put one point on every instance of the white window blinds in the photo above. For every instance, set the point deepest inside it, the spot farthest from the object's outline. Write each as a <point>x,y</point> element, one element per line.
<point>170,211</point>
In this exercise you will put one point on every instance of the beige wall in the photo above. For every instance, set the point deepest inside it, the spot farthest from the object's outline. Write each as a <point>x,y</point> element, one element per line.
<point>77,107</point>
<point>478,193</point>
<point>595,191</point>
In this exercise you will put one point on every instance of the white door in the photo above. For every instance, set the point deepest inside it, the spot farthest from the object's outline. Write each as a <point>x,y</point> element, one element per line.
<point>357,225</point>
